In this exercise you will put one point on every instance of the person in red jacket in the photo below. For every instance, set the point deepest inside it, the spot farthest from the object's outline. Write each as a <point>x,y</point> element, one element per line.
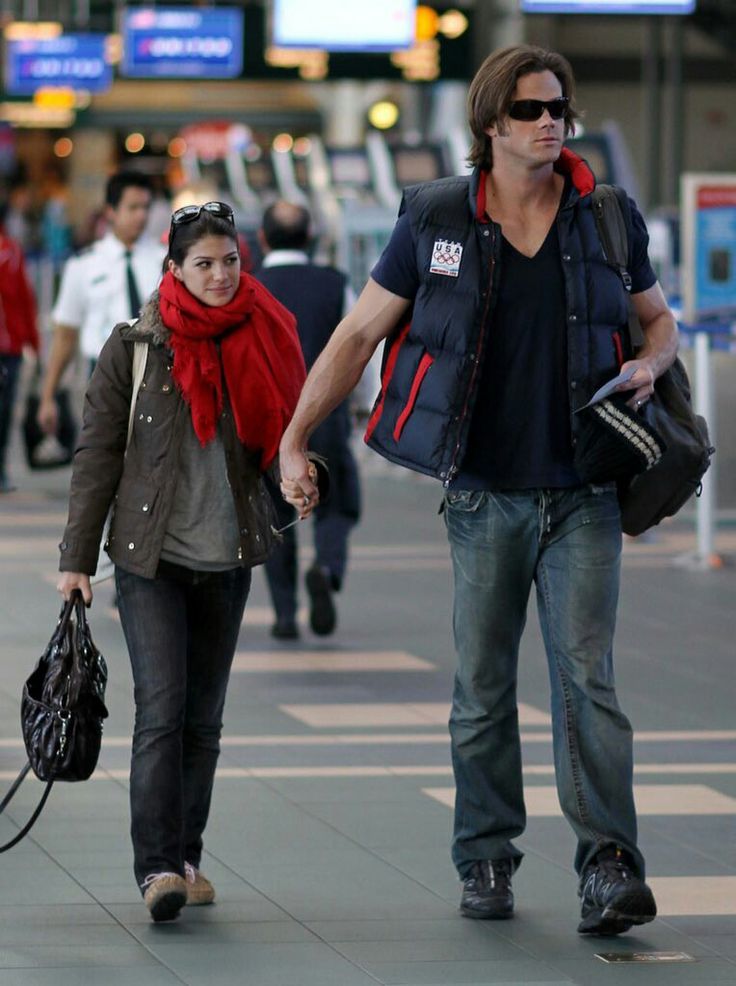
<point>18,330</point>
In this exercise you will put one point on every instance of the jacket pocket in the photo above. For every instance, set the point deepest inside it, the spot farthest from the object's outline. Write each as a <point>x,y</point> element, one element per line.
<point>424,364</point>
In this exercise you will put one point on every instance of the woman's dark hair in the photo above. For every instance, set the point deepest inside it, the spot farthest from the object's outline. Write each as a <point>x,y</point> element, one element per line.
<point>491,92</point>
<point>183,236</point>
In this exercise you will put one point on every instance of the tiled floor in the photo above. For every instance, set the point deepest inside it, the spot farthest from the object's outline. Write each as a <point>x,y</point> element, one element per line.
<point>329,834</point>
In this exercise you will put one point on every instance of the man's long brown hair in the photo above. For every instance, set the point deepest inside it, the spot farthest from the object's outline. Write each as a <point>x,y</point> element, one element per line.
<point>491,92</point>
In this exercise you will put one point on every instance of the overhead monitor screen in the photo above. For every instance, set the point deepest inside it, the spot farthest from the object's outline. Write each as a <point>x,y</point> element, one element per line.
<point>416,164</point>
<point>608,6</point>
<point>261,177</point>
<point>337,25</point>
<point>71,61</point>
<point>182,42</point>
<point>596,151</point>
<point>350,168</point>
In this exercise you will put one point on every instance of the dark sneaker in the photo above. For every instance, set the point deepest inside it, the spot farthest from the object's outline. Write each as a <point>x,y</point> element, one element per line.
<point>487,890</point>
<point>164,895</point>
<point>322,615</point>
<point>285,630</point>
<point>613,898</point>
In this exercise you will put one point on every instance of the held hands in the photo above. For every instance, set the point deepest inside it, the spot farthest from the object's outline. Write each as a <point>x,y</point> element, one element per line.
<point>68,581</point>
<point>298,481</point>
<point>641,383</point>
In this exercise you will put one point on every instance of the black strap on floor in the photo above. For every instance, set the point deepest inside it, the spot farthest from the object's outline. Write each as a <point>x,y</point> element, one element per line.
<point>34,817</point>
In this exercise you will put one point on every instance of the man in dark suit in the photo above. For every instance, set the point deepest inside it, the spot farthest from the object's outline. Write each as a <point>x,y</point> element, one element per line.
<point>319,296</point>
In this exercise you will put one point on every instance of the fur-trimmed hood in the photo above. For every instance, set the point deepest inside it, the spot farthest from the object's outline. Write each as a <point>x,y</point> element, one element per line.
<point>149,327</point>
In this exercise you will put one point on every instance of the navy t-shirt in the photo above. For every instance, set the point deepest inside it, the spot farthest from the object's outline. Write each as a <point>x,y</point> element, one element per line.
<point>520,430</point>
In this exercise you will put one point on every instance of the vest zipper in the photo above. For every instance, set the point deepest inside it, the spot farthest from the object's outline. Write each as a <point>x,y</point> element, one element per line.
<point>451,472</point>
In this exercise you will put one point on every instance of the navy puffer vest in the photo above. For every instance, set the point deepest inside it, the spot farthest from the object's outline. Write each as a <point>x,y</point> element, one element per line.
<point>432,362</point>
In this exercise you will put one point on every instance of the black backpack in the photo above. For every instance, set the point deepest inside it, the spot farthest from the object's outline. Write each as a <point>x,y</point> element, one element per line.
<point>661,491</point>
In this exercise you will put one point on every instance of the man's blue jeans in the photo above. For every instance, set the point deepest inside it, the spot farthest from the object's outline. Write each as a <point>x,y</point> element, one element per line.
<point>181,629</point>
<point>568,542</point>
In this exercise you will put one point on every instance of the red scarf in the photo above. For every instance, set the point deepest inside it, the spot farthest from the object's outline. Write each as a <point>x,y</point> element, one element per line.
<point>259,351</point>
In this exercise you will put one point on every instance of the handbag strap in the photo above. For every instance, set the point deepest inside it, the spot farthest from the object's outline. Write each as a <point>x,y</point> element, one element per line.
<point>37,811</point>
<point>140,356</point>
<point>67,608</point>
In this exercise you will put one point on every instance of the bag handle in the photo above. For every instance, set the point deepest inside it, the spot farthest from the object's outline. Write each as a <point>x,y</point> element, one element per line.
<point>67,608</point>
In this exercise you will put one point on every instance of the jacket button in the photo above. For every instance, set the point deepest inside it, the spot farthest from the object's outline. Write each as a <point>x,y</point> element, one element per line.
<point>573,317</point>
<point>486,232</point>
<point>131,546</point>
<point>144,508</point>
<point>140,417</point>
<point>166,388</point>
<point>244,531</point>
<point>149,419</point>
<point>442,475</point>
<point>258,537</point>
<point>63,546</point>
<point>566,256</point>
<point>143,385</point>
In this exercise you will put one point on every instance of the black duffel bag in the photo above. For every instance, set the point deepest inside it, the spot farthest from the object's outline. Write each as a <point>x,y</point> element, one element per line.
<point>49,451</point>
<point>661,491</point>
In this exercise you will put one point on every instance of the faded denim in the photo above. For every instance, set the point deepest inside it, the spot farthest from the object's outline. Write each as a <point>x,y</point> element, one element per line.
<point>568,543</point>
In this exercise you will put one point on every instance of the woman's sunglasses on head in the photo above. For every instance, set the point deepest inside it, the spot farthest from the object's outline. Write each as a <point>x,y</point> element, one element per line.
<point>188,213</point>
<point>532,109</point>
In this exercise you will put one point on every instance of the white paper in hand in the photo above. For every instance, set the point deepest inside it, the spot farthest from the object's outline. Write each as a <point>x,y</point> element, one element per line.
<point>608,388</point>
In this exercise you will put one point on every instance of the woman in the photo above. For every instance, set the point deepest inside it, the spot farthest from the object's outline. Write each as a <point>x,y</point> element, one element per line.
<point>191,517</point>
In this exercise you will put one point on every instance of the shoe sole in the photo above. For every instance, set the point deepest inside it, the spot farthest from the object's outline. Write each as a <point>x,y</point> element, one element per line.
<point>322,615</point>
<point>469,912</point>
<point>168,906</point>
<point>200,900</point>
<point>627,910</point>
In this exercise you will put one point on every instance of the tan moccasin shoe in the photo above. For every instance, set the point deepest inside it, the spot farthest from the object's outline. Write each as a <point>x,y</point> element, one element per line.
<point>199,889</point>
<point>164,894</point>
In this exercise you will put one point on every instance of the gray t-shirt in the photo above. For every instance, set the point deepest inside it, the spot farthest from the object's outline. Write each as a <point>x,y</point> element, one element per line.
<point>202,532</point>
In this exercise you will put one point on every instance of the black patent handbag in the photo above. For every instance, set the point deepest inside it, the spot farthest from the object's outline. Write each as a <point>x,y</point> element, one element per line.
<point>62,708</point>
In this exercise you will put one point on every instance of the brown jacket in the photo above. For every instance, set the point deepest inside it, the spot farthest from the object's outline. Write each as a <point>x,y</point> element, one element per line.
<point>141,483</point>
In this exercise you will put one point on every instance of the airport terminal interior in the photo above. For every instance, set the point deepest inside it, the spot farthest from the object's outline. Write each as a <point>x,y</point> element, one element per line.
<point>331,821</point>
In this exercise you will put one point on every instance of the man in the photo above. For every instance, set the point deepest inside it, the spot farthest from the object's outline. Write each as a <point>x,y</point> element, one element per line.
<point>515,321</point>
<point>104,285</point>
<point>319,297</point>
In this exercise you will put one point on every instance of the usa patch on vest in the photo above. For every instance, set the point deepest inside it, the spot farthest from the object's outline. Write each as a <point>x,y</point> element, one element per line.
<point>446,257</point>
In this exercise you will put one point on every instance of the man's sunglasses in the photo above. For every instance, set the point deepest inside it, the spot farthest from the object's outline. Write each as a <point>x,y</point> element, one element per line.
<point>188,213</point>
<point>532,109</point>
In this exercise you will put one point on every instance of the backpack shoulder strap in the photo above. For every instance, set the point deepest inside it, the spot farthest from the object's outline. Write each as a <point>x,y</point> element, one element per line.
<point>613,221</point>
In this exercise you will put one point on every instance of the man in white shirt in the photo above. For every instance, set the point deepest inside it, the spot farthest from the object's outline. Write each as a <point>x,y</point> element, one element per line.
<point>104,285</point>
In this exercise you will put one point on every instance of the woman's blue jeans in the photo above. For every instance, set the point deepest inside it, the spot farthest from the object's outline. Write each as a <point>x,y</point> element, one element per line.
<point>181,629</point>
<point>568,542</point>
